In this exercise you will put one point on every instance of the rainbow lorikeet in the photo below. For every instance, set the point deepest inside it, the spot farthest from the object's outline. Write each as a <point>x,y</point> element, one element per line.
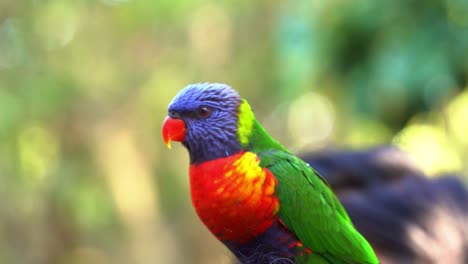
<point>264,203</point>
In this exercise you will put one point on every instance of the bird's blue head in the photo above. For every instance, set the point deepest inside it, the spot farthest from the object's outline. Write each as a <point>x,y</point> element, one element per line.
<point>204,117</point>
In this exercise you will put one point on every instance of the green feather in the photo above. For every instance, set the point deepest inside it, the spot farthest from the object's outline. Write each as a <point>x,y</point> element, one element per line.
<point>308,206</point>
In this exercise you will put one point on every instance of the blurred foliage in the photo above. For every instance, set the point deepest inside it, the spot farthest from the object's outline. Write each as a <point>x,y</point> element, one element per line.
<point>84,85</point>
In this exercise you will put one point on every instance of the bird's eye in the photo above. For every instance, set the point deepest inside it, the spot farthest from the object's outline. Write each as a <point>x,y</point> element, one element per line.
<point>173,114</point>
<point>203,112</point>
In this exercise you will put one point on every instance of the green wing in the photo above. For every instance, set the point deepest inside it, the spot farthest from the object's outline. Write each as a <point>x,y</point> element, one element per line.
<point>310,209</point>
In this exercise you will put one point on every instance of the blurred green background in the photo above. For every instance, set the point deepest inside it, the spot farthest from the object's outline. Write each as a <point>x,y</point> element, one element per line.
<point>84,86</point>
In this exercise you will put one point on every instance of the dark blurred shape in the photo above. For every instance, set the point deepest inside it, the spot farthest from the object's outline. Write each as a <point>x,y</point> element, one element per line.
<point>407,217</point>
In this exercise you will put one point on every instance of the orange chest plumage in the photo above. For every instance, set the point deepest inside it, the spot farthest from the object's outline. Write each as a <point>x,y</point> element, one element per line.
<point>234,197</point>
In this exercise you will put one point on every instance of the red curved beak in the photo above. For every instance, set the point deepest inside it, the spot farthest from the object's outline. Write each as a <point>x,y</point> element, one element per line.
<point>173,129</point>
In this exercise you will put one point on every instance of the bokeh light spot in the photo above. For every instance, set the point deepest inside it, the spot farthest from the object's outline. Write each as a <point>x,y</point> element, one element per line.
<point>429,147</point>
<point>457,115</point>
<point>38,150</point>
<point>56,24</point>
<point>311,120</point>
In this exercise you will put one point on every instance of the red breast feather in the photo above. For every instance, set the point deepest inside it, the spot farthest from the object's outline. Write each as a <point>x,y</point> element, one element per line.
<point>234,197</point>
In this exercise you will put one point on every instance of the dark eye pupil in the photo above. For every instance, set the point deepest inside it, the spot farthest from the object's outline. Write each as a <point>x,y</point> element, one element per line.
<point>203,111</point>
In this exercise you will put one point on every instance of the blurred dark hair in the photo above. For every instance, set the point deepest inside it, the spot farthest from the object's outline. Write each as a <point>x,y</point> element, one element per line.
<point>406,216</point>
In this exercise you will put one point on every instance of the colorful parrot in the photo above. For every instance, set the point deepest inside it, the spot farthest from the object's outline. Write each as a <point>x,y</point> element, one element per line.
<point>264,203</point>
